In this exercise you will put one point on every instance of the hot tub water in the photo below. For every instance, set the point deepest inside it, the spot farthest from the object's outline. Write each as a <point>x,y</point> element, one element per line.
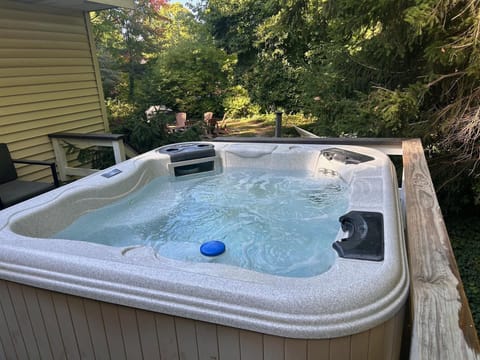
<point>276,222</point>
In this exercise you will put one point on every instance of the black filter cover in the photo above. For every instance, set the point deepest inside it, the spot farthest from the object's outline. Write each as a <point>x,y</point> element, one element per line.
<point>365,239</point>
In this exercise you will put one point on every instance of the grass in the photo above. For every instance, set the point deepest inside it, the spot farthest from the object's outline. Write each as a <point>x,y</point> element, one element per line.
<point>250,127</point>
<point>264,125</point>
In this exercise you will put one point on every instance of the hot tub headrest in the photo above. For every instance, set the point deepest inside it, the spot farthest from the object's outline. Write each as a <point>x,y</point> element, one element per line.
<point>188,151</point>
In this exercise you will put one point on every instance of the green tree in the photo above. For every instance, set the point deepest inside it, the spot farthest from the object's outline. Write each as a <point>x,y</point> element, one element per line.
<point>262,69</point>
<point>234,23</point>
<point>192,76</point>
<point>367,68</point>
<point>189,73</point>
<point>126,39</point>
<point>394,68</point>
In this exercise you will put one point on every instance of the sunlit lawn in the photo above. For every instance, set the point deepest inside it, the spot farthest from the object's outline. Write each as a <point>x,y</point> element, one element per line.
<point>250,127</point>
<point>264,125</point>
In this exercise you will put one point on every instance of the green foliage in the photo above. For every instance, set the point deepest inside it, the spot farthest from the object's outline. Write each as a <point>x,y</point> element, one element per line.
<point>95,157</point>
<point>117,109</point>
<point>464,234</point>
<point>144,135</point>
<point>361,68</point>
<point>305,121</point>
<point>273,83</point>
<point>264,124</point>
<point>98,157</point>
<point>125,38</point>
<point>298,119</point>
<point>192,77</point>
<point>390,68</point>
<point>180,25</point>
<point>243,28</point>
<point>160,54</point>
<point>238,104</point>
<point>233,24</point>
<point>110,73</point>
<point>394,109</point>
<point>190,73</point>
<point>454,183</point>
<point>141,133</point>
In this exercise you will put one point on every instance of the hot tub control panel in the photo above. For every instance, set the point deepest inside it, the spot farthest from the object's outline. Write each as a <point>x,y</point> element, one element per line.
<point>191,158</point>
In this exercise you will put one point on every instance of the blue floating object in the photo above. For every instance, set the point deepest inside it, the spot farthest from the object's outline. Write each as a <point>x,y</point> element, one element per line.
<point>212,248</point>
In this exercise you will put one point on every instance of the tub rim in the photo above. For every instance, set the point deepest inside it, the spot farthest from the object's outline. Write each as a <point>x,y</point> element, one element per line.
<point>97,277</point>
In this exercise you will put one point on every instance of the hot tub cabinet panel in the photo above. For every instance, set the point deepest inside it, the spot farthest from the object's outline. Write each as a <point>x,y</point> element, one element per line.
<point>356,304</point>
<point>37,323</point>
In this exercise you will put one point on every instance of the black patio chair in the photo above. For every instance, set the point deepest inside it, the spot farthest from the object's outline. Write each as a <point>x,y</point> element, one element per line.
<point>12,190</point>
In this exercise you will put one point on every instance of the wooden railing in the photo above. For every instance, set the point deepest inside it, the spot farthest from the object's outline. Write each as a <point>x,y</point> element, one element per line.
<point>111,140</point>
<point>440,320</point>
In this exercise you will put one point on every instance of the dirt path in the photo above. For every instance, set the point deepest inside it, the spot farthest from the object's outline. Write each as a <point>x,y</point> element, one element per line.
<point>249,128</point>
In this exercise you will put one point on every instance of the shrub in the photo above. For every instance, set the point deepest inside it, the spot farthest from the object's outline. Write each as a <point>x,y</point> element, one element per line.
<point>117,109</point>
<point>464,234</point>
<point>237,103</point>
<point>144,135</point>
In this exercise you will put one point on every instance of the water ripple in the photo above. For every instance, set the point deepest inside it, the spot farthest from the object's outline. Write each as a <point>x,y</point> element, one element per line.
<point>274,222</point>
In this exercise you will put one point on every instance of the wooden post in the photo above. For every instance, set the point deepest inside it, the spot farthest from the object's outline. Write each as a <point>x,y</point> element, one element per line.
<point>442,324</point>
<point>118,151</point>
<point>278,124</point>
<point>112,140</point>
<point>60,158</point>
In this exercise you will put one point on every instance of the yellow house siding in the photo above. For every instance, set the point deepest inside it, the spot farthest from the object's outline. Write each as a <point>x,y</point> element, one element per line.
<point>49,80</point>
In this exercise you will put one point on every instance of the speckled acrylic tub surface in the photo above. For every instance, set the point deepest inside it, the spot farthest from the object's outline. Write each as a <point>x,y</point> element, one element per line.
<point>352,296</point>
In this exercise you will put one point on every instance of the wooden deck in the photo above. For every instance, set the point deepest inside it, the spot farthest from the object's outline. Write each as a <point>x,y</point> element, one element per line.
<point>440,321</point>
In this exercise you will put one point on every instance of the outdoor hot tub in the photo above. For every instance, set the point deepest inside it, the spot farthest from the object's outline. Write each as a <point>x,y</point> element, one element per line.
<point>323,261</point>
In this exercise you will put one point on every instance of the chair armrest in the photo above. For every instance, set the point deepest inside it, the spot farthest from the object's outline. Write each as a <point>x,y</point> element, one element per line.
<point>53,168</point>
<point>33,162</point>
